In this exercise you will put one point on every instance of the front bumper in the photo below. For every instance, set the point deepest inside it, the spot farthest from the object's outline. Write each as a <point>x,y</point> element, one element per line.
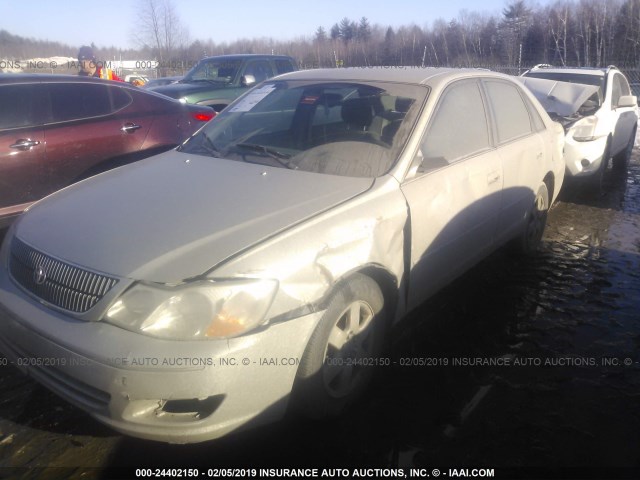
<point>173,391</point>
<point>583,159</point>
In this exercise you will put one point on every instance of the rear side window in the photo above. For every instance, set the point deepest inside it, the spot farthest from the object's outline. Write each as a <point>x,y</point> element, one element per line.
<point>459,128</point>
<point>536,119</point>
<point>283,66</point>
<point>19,105</point>
<point>78,100</point>
<point>511,115</point>
<point>120,98</point>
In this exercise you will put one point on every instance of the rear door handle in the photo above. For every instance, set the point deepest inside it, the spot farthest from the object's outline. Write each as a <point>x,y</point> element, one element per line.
<point>24,144</point>
<point>130,127</point>
<point>493,177</point>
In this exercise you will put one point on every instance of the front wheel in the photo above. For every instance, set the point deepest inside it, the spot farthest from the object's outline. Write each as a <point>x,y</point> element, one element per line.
<point>621,160</point>
<point>335,367</point>
<point>594,182</point>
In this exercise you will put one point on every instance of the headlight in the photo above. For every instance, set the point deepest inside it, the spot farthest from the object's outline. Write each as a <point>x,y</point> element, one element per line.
<point>183,100</point>
<point>584,130</point>
<point>198,311</point>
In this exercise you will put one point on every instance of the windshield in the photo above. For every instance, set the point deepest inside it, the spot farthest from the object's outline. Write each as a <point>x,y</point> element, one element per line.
<point>212,70</point>
<point>349,129</point>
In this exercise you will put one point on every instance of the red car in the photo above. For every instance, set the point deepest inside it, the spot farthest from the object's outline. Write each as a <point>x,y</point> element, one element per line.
<point>58,129</point>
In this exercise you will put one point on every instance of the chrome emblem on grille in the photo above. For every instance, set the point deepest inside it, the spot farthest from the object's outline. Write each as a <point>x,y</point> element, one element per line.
<point>39,275</point>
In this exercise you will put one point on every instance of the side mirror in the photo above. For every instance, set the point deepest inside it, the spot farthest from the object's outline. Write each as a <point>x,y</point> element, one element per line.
<point>627,101</point>
<point>247,80</point>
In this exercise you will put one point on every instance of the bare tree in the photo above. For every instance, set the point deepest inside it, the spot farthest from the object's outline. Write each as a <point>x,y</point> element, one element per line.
<point>159,29</point>
<point>565,32</point>
<point>559,16</point>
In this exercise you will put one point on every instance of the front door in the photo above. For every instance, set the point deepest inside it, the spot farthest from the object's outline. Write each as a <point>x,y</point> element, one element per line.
<point>454,197</point>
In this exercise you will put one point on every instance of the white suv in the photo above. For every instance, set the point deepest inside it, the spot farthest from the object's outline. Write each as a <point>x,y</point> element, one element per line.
<point>602,123</point>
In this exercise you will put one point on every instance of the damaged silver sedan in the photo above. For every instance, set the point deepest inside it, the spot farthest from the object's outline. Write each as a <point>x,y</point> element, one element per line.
<point>260,265</point>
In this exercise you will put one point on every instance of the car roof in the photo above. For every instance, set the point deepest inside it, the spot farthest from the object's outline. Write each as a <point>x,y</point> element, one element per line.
<point>431,76</point>
<point>7,78</point>
<point>574,70</point>
<point>240,56</point>
<point>22,78</point>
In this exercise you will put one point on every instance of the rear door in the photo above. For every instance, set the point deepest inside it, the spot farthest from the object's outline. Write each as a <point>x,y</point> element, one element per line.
<point>522,151</point>
<point>454,198</point>
<point>91,123</point>
<point>22,146</point>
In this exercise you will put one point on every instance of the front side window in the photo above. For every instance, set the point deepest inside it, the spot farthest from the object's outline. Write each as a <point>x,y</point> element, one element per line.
<point>620,88</point>
<point>624,85</point>
<point>260,69</point>
<point>349,129</point>
<point>616,91</point>
<point>213,71</point>
<point>459,128</point>
<point>283,66</point>
<point>20,106</point>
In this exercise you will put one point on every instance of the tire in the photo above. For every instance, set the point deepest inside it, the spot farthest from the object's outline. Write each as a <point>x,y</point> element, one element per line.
<point>352,328</point>
<point>594,183</point>
<point>621,160</point>
<point>531,236</point>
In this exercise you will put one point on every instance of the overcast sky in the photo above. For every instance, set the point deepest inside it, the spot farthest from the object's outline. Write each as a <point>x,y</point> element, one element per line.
<point>111,22</point>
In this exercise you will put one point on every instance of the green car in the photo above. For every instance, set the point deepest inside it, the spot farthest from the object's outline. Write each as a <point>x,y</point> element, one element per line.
<point>217,81</point>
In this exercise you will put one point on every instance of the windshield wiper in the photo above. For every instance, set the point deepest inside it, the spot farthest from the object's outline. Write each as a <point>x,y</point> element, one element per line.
<point>206,145</point>
<point>208,80</point>
<point>270,152</point>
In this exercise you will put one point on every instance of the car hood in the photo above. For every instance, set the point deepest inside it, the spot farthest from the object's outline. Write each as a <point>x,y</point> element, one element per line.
<point>175,216</point>
<point>561,98</point>
<point>179,90</point>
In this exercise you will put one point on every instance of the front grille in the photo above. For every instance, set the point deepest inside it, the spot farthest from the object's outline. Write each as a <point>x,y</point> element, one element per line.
<point>57,282</point>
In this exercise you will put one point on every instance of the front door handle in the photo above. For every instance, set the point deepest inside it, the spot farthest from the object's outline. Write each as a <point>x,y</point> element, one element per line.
<point>24,144</point>
<point>130,127</point>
